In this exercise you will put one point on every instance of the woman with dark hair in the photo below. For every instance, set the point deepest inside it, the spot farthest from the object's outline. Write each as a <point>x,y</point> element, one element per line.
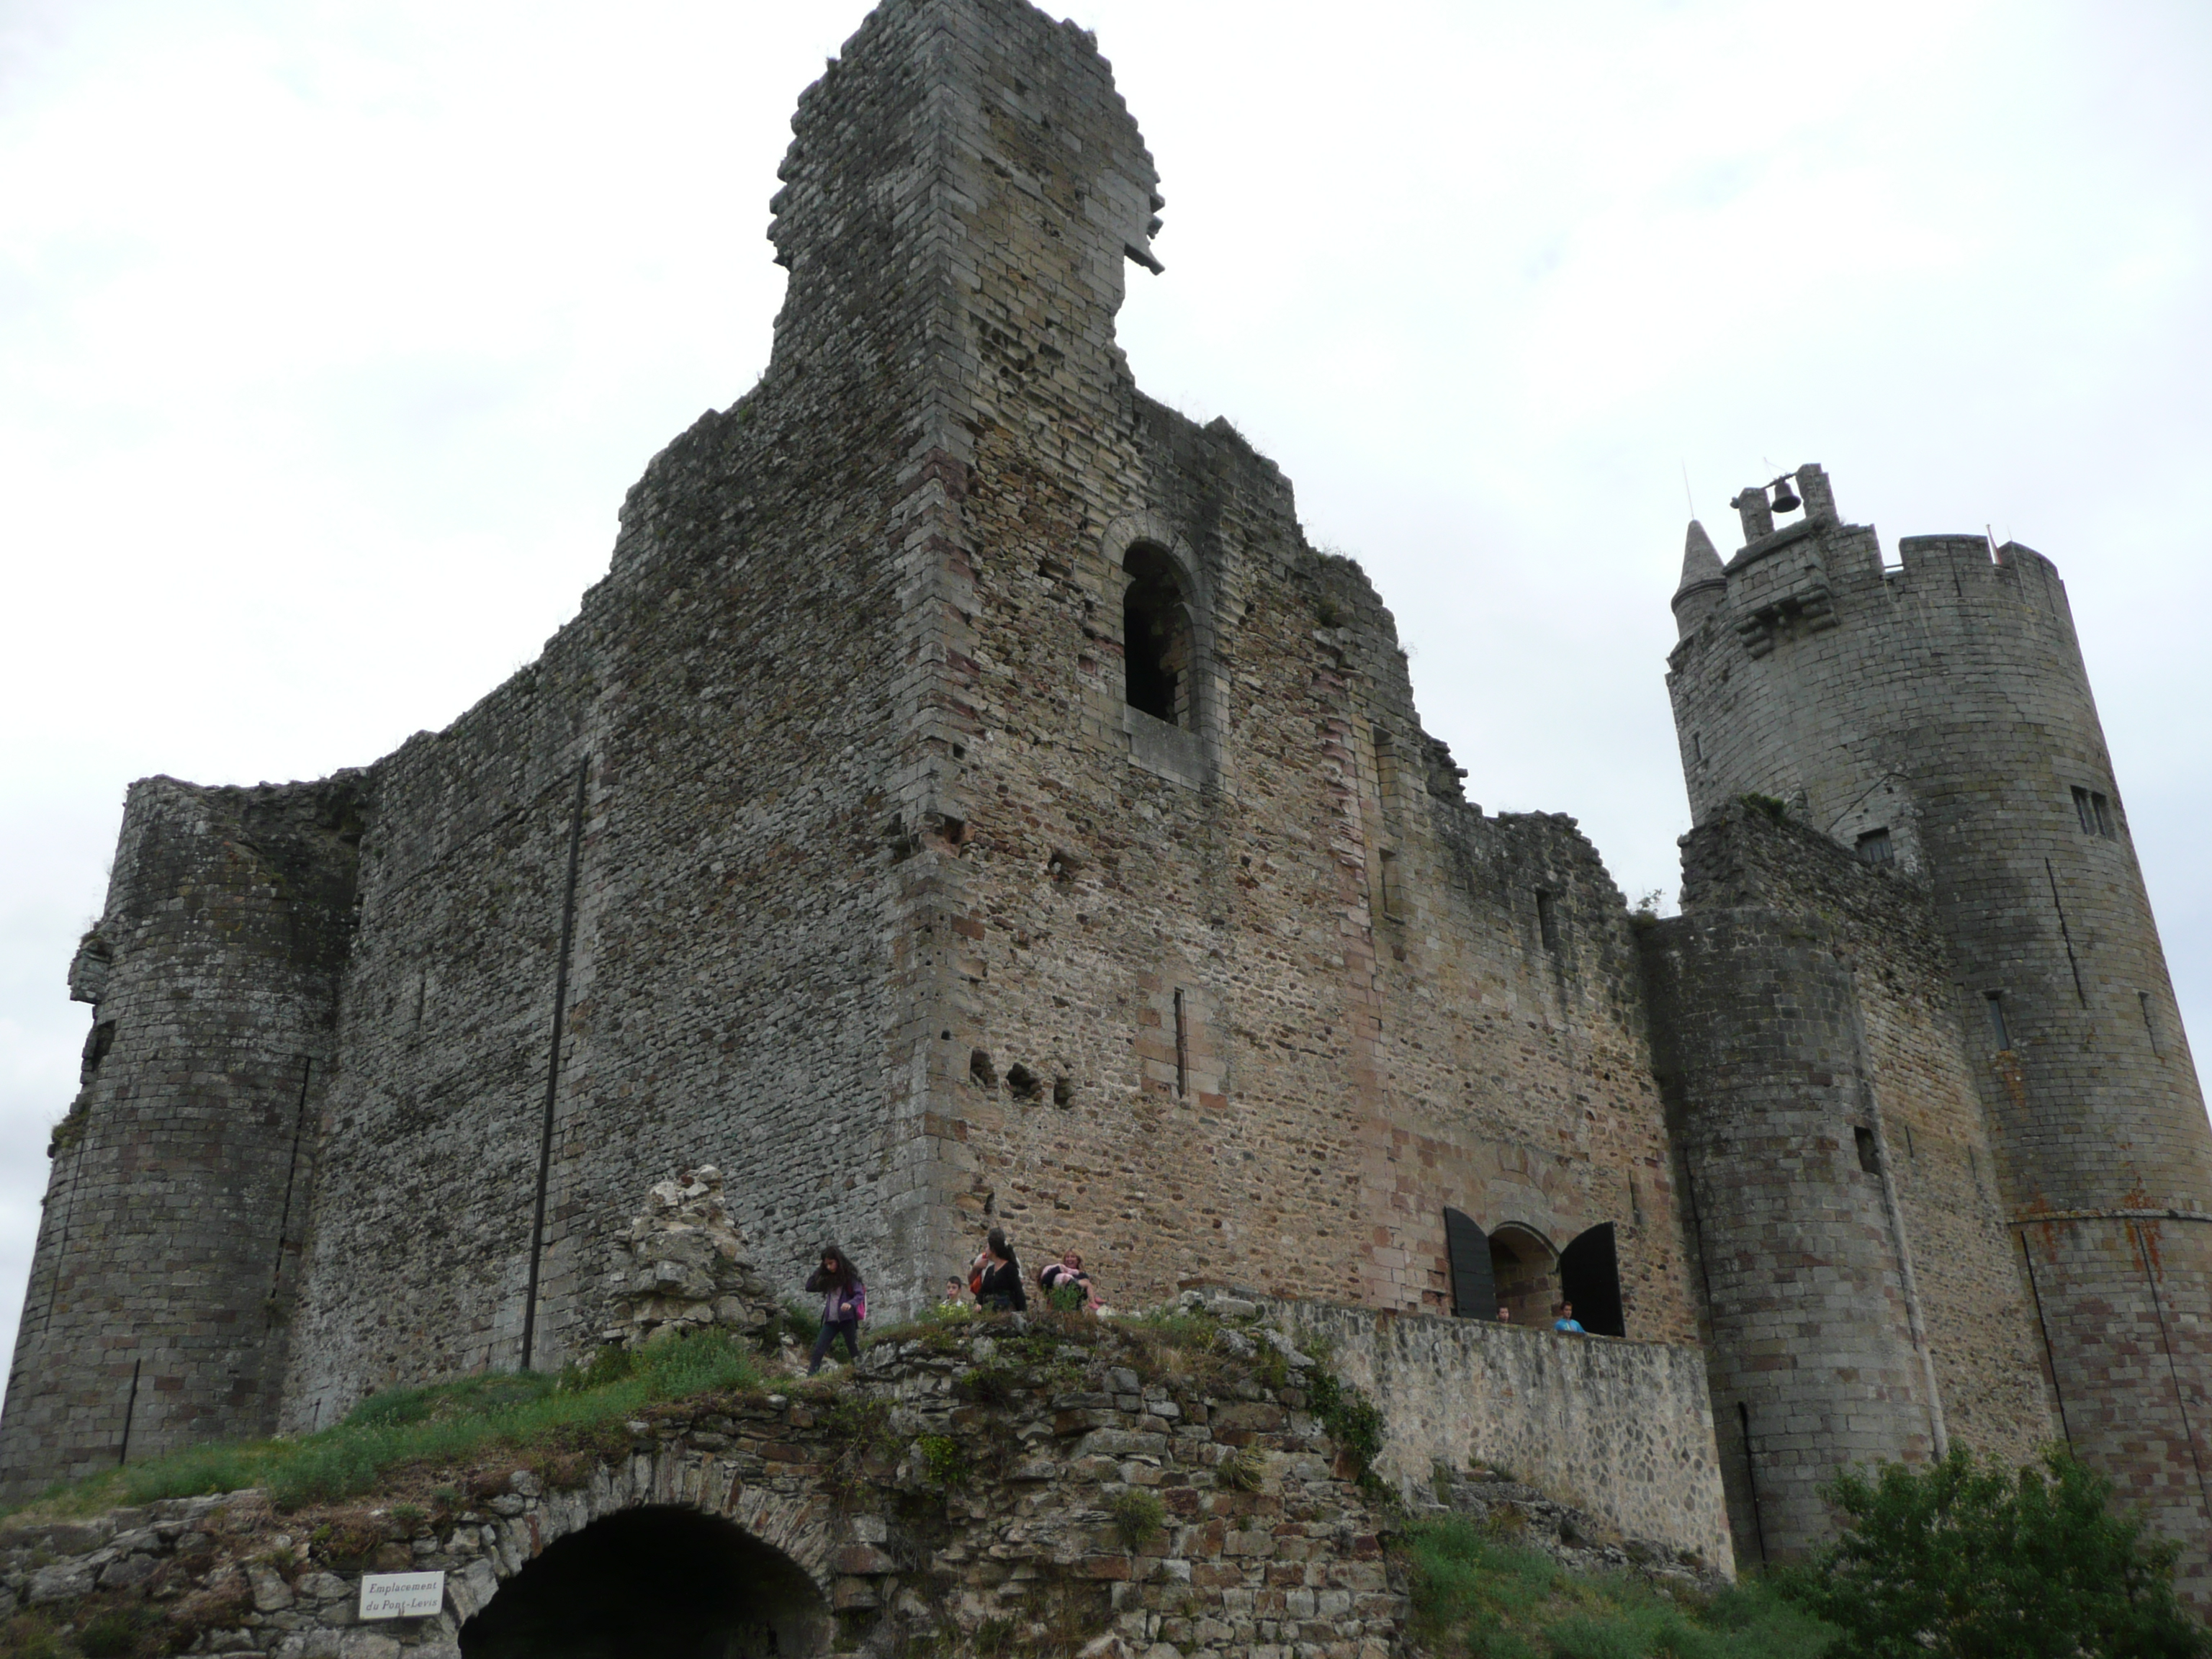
<point>844,1305</point>
<point>1000,1288</point>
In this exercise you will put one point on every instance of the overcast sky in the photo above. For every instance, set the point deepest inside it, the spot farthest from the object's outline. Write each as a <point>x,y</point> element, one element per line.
<point>330,335</point>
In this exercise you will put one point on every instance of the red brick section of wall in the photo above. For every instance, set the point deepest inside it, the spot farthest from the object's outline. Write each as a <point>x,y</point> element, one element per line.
<point>167,1252</point>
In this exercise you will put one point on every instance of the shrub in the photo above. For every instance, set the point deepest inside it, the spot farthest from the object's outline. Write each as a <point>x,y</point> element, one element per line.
<point>1242,1470</point>
<point>943,1463</point>
<point>1138,1514</point>
<point>1962,1558</point>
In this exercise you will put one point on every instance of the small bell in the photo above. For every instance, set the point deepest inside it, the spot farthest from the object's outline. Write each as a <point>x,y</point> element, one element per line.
<point>1786,499</point>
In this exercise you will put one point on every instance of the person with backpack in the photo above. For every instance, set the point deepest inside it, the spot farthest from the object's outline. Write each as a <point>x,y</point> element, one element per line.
<point>844,1305</point>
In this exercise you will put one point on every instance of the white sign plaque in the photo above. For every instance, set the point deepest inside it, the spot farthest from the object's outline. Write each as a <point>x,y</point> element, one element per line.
<point>401,1594</point>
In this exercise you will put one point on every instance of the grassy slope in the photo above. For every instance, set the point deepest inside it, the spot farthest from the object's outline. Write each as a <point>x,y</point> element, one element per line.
<point>1477,1594</point>
<point>447,1424</point>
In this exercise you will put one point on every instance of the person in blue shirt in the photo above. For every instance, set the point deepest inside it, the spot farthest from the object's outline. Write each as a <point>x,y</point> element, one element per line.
<point>1563,1319</point>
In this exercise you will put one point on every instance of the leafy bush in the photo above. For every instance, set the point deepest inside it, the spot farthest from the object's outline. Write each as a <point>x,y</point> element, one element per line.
<point>1962,1558</point>
<point>943,1463</point>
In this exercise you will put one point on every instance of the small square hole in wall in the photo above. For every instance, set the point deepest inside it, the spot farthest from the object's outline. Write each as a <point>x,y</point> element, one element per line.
<point>1876,848</point>
<point>1023,1084</point>
<point>981,1071</point>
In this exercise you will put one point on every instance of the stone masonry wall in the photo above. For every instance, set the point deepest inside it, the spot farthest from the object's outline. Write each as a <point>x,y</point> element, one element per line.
<point>1803,1009</point>
<point>1621,1429</point>
<point>1946,703</point>
<point>166,1264</point>
<point>823,846</point>
<point>1254,991</point>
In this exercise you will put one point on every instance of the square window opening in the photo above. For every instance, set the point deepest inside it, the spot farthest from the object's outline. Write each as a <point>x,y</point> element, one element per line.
<point>1876,848</point>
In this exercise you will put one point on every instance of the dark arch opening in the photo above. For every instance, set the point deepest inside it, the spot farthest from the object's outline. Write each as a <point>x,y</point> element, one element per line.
<point>1521,1261</point>
<point>1467,1253</point>
<point>1589,1277</point>
<point>1157,656</point>
<point>657,1582</point>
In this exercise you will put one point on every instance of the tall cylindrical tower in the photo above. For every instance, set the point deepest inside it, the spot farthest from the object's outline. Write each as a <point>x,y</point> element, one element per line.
<point>1937,717</point>
<point>167,1254</point>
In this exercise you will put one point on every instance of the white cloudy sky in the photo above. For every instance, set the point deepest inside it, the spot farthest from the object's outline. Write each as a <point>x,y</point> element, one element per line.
<point>332,332</point>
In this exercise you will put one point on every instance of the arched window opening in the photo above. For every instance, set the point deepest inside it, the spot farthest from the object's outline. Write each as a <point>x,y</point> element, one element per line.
<point>1156,639</point>
<point>668,1582</point>
<point>1589,1277</point>
<point>1522,1262</point>
<point>1467,1253</point>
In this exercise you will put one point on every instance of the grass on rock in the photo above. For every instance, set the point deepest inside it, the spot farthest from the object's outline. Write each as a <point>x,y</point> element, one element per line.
<point>445,1424</point>
<point>1476,1595</point>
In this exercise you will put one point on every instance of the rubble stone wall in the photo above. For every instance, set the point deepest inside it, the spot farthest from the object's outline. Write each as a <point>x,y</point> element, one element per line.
<point>960,1480</point>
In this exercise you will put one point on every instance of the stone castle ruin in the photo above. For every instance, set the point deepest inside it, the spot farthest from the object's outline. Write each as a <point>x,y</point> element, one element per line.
<point>969,799</point>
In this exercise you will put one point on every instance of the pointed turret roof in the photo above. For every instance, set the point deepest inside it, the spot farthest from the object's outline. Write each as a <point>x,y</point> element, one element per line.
<point>1701,563</point>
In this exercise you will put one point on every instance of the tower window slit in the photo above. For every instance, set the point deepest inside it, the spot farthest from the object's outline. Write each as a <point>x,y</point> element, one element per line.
<point>2101,809</point>
<point>2150,1024</point>
<point>1547,919</point>
<point>1182,1046</point>
<point>1869,1157</point>
<point>2085,812</point>
<point>1994,1001</point>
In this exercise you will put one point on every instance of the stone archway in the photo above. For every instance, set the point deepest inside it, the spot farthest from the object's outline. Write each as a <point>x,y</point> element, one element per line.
<point>659,1582</point>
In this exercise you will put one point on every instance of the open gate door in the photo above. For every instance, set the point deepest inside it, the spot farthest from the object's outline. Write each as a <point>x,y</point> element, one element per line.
<point>1474,1292</point>
<point>1589,1277</point>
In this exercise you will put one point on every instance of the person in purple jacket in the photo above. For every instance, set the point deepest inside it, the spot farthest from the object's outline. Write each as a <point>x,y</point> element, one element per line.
<point>844,1305</point>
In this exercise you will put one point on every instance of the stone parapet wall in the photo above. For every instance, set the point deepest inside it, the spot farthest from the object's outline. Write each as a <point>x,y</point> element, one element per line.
<point>1620,1430</point>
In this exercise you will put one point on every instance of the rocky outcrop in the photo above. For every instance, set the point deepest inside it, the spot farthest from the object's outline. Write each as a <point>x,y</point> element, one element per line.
<point>685,1266</point>
<point>1009,1486</point>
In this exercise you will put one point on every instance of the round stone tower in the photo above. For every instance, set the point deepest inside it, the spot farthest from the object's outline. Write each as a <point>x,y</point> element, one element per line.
<point>1936,716</point>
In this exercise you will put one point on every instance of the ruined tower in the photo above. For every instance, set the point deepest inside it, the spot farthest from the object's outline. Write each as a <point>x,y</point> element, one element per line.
<point>967,799</point>
<point>169,1250</point>
<point>1933,723</point>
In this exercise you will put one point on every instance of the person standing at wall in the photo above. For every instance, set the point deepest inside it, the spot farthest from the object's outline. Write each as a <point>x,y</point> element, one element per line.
<point>1564,1320</point>
<point>844,1305</point>
<point>1000,1289</point>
